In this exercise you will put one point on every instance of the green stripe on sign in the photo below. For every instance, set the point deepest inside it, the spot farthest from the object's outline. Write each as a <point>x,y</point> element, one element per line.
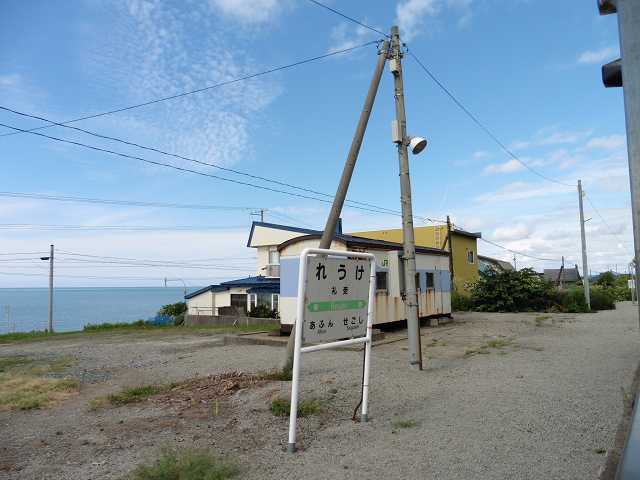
<point>336,306</point>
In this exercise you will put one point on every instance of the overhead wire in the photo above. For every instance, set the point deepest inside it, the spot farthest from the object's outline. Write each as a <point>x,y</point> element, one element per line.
<point>119,202</point>
<point>184,94</point>
<point>603,221</point>
<point>162,152</point>
<point>349,18</point>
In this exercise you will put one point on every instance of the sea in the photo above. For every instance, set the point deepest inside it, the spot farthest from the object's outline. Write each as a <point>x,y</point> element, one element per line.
<point>73,308</point>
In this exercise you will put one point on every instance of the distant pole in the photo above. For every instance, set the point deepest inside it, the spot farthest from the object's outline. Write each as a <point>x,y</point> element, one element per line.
<point>451,276</point>
<point>6,309</point>
<point>413,322</point>
<point>585,270</point>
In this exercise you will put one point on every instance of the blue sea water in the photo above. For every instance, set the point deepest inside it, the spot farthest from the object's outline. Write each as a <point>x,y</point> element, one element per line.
<point>73,308</point>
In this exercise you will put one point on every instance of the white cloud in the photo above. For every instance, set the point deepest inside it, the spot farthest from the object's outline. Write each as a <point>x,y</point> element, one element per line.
<point>145,50</point>
<point>605,54</point>
<point>518,191</point>
<point>411,14</point>
<point>614,142</point>
<point>551,135</point>
<point>518,232</point>
<point>249,11</point>
<point>507,167</point>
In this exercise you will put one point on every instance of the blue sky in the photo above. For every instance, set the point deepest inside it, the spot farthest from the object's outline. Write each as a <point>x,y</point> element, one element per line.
<point>530,75</point>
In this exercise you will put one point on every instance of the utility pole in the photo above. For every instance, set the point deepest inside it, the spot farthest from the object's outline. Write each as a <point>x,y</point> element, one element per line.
<point>585,271</point>
<point>413,322</point>
<point>50,258</point>
<point>341,194</point>
<point>628,20</point>
<point>451,276</point>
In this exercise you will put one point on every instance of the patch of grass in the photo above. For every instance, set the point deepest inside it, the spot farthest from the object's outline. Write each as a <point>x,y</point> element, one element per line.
<point>284,375</point>
<point>538,349</point>
<point>128,328</point>
<point>192,463</point>
<point>485,335</point>
<point>499,343</point>
<point>140,324</point>
<point>306,407</point>
<point>280,407</point>
<point>469,352</point>
<point>135,394</point>
<point>24,387</point>
<point>484,351</point>
<point>85,441</point>
<point>600,450</point>
<point>406,423</point>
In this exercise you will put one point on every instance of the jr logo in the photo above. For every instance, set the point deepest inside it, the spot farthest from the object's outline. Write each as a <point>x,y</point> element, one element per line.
<point>385,263</point>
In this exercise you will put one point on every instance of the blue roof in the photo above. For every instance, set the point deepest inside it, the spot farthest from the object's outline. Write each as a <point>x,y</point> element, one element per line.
<point>253,282</point>
<point>210,288</point>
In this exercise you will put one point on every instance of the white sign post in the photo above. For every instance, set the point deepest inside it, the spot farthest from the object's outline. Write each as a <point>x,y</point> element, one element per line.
<point>336,297</point>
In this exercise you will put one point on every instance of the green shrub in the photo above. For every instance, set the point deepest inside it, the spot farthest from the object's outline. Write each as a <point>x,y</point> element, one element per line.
<point>460,302</point>
<point>174,309</point>
<point>621,294</point>
<point>512,291</point>
<point>601,299</point>
<point>264,311</point>
<point>573,301</point>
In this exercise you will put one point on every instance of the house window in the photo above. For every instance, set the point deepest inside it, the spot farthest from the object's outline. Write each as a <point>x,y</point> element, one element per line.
<point>470,256</point>
<point>239,300</point>
<point>430,282</point>
<point>253,301</point>
<point>273,267</point>
<point>275,302</point>
<point>381,281</point>
<point>418,281</point>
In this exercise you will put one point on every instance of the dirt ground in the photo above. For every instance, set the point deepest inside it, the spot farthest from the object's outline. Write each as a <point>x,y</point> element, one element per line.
<point>225,407</point>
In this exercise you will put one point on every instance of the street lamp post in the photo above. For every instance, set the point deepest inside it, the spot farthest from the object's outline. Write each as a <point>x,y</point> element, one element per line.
<point>50,258</point>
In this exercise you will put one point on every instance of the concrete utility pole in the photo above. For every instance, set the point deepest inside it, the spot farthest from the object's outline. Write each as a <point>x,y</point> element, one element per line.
<point>585,271</point>
<point>451,276</point>
<point>413,321</point>
<point>341,194</point>
<point>50,258</point>
<point>629,30</point>
<point>343,187</point>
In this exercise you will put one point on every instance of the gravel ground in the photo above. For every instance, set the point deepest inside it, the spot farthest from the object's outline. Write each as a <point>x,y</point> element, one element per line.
<point>539,407</point>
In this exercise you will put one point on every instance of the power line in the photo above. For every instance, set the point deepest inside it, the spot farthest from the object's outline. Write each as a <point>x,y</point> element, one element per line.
<point>238,182</point>
<point>133,144</point>
<point>482,126</point>
<point>349,18</point>
<point>200,89</point>
<point>119,202</point>
<point>15,226</point>
<point>516,252</point>
<point>594,208</point>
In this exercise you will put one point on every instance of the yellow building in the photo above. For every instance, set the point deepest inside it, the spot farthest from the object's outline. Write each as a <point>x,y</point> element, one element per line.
<point>463,260</point>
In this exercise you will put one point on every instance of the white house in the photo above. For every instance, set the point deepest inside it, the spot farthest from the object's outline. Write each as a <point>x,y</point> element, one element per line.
<point>244,293</point>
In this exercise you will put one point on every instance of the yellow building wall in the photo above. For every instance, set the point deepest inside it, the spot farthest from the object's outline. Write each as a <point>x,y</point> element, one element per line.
<point>434,237</point>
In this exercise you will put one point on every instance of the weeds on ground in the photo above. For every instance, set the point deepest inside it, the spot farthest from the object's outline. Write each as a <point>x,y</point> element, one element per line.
<point>137,394</point>
<point>24,387</point>
<point>193,463</point>
<point>284,375</point>
<point>406,423</point>
<point>600,450</point>
<point>306,407</point>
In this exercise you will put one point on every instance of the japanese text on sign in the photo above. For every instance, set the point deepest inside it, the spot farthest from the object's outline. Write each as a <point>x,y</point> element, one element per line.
<point>336,296</point>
